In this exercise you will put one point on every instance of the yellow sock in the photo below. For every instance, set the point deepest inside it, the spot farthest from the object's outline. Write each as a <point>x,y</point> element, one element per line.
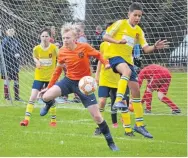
<point>122,86</point>
<point>29,110</point>
<point>138,110</point>
<point>53,113</point>
<point>126,118</point>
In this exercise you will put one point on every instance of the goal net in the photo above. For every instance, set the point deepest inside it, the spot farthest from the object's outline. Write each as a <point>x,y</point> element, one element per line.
<point>162,19</point>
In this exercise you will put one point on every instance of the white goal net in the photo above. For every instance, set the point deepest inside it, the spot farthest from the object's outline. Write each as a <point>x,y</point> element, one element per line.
<point>162,19</point>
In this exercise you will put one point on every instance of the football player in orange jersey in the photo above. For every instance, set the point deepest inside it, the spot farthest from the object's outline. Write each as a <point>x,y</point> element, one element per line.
<point>76,57</point>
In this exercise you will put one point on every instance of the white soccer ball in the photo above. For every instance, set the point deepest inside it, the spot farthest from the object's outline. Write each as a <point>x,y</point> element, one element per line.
<point>87,85</point>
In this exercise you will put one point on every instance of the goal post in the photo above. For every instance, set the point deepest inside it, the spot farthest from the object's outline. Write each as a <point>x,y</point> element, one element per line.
<point>162,19</point>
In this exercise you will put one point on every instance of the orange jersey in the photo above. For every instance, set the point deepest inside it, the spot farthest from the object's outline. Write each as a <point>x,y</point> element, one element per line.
<point>77,61</point>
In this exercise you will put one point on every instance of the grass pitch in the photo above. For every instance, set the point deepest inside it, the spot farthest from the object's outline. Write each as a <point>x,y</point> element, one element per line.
<point>73,136</point>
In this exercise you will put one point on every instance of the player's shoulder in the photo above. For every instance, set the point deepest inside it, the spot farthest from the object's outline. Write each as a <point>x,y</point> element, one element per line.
<point>139,28</point>
<point>83,46</point>
<point>37,47</point>
<point>118,22</point>
<point>103,44</point>
<point>52,45</point>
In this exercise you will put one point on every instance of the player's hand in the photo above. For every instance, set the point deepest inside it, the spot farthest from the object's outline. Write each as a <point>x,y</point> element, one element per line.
<point>38,65</point>
<point>123,41</point>
<point>107,66</point>
<point>41,93</point>
<point>161,44</point>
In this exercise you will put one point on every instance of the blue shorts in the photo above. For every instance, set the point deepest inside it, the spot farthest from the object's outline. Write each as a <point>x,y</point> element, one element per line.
<point>71,86</point>
<point>39,84</point>
<point>116,61</point>
<point>105,92</point>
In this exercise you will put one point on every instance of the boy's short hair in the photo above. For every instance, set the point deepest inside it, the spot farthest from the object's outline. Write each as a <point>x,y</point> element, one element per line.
<point>135,6</point>
<point>45,30</point>
<point>67,27</point>
<point>108,24</point>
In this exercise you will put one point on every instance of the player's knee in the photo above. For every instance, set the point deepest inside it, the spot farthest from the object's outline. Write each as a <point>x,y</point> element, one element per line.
<point>160,95</point>
<point>98,118</point>
<point>46,97</point>
<point>102,103</point>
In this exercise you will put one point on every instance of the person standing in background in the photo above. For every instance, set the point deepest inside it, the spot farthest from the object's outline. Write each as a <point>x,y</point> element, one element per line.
<point>11,51</point>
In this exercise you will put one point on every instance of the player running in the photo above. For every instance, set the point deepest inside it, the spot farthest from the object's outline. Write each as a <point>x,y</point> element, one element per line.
<point>76,57</point>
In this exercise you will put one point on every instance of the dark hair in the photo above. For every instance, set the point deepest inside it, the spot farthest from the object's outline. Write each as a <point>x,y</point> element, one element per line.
<point>109,24</point>
<point>135,6</point>
<point>45,30</point>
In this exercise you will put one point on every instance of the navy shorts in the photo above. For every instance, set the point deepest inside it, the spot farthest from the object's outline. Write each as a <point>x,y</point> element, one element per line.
<point>39,84</point>
<point>116,61</point>
<point>71,86</point>
<point>105,92</point>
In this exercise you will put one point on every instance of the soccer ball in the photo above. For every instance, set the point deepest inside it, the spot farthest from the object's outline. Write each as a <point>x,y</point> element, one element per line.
<point>87,85</point>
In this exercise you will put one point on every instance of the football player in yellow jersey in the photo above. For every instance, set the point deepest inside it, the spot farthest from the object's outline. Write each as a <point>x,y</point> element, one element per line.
<point>122,36</point>
<point>108,83</point>
<point>44,55</point>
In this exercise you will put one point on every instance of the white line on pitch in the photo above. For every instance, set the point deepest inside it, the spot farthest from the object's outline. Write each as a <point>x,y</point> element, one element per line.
<point>101,137</point>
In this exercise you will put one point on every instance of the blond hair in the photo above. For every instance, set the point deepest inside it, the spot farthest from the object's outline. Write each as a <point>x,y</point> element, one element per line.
<point>67,28</point>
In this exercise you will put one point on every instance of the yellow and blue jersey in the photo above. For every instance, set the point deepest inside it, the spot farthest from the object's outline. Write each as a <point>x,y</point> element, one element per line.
<point>107,77</point>
<point>47,58</point>
<point>119,30</point>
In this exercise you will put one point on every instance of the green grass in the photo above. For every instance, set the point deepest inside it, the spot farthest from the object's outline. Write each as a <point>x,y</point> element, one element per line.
<point>73,135</point>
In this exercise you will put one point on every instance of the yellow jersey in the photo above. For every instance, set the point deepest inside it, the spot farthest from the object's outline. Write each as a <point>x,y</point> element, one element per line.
<point>119,30</point>
<point>47,58</point>
<point>107,77</point>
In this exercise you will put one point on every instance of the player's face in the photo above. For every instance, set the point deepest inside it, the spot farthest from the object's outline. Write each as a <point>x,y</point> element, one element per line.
<point>135,17</point>
<point>45,37</point>
<point>69,39</point>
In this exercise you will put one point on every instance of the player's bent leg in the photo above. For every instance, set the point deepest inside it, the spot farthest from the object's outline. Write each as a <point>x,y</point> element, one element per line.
<point>162,97</point>
<point>49,97</point>
<point>148,99</point>
<point>123,69</point>
<point>94,111</point>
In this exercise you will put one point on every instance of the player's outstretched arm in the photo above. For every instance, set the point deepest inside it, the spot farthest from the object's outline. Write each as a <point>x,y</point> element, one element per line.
<point>160,44</point>
<point>56,74</point>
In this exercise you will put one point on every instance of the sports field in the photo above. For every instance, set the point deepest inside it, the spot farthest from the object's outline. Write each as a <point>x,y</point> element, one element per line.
<point>73,135</point>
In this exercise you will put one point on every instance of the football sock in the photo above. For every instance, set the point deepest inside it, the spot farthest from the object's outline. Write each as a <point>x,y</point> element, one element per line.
<point>138,110</point>
<point>148,99</point>
<point>114,116</point>
<point>29,110</point>
<point>122,86</point>
<point>16,90</point>
<point>167,101</point>
<point>6,91</point>
<point>53,113</point>
<point>106,132</point>
<point>126,118</point>
<point>113,111</point>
